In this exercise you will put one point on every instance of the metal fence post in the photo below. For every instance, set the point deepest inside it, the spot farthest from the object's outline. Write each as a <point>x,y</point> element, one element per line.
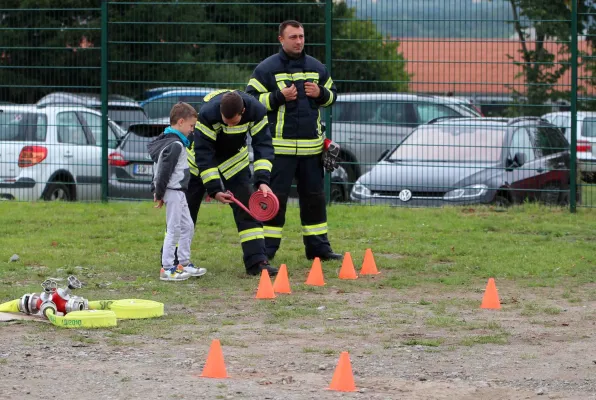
<point>328,58</point>
<point>104,100</point>
<point>573,144</point>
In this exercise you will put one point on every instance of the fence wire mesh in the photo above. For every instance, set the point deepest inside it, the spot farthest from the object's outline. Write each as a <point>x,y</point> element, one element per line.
<point>442,102</point>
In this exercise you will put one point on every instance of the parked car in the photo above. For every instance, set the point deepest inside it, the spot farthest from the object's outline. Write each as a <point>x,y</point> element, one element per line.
<point>131,168</point>
<point>367,124</point>
<point>586,136</point>
<point>52,153</point>
<point>147,94</point>
<point>472,160</point>
<point>159,106</point>
<point>121,109</point>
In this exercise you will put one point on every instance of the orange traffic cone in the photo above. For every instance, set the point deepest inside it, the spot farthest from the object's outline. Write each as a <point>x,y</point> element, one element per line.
<point>315,276</point>
<point>282,284</point>
<point>265,290</point>
<point>343,379</point>
<point>215,366</point>
<point>369,267</point>
<point>347,270</point>
<point>491,297</point>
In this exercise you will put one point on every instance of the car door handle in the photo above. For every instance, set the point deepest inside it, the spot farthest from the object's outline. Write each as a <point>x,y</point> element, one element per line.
<point>68,154</point>
<point>355,139</point>
<point>540,170</point>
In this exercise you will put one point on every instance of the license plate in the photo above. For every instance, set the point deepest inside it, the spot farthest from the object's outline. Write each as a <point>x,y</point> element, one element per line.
<point>140,169</point>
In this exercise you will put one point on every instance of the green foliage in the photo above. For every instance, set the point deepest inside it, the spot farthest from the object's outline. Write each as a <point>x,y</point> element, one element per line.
<point>551,21</point>
<point>380,66</point>
<point>150,45</point>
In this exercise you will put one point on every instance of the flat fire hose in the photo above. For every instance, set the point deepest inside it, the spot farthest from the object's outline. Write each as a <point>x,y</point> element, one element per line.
<point>82,319</point>
<point>260,207</point>
<point>101,313</point>
<point>130,308</point>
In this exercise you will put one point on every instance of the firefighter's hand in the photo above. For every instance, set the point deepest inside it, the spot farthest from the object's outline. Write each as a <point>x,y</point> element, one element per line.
<point>312,89</point>
<point>265,189</point>
<point>159,202</point>
<point>222,197</point>
<point>290,92</point>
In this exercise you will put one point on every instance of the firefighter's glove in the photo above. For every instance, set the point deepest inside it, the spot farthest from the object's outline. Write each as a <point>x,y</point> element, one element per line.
<point>330,155</point>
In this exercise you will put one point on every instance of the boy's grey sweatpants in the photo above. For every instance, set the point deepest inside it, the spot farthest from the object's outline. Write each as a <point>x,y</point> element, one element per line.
<point>179,229</point>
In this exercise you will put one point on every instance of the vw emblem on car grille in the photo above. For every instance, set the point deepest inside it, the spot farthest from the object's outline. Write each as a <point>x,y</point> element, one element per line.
<point>405,195</point>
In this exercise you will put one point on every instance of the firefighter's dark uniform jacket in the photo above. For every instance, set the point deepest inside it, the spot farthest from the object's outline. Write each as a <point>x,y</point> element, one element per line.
<point>221,157</point>
<point>221,150</point>
<point>295,125</point>
<point>298,141</point>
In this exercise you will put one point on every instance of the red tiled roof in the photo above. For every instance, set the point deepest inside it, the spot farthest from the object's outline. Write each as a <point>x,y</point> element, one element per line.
<point>473,66</point>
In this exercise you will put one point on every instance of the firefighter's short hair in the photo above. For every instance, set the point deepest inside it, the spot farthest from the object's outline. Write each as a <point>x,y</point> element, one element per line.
<point>290,22</point>
<point>182,110</point>
<point>231,105</point>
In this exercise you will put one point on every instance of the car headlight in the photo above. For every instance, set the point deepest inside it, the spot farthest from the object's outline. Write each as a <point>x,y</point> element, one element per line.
<point>466,192</point>
<point>360,190</point>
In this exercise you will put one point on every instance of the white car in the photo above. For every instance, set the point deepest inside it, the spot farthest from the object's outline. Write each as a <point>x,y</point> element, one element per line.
<point>52,153</point>
<point>586,135</point>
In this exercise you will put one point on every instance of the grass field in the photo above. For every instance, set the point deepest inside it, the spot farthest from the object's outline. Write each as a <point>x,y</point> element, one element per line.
<point>434,264</point>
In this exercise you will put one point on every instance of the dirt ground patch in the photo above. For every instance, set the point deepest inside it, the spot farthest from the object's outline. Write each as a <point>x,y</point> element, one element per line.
<point>416,344</point>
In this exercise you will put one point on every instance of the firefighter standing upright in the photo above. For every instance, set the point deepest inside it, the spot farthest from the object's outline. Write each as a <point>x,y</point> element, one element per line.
<point>293,86</point>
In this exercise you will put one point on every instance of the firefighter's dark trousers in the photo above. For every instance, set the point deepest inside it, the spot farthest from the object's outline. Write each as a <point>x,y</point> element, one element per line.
<point>309,175</point>
<point>249,230</point>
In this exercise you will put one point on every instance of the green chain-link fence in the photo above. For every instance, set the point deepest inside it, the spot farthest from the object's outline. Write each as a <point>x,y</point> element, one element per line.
<point>439,101</point>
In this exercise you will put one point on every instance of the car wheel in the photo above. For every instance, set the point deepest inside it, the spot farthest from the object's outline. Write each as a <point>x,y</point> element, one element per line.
<point>348,166</point>
<point>501,202</point>
<point>337,195</point>
<point>57,191</point>
<point>550,194</point>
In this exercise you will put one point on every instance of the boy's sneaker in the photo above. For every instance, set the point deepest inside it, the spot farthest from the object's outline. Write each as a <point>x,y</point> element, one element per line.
<point>194,271</point>
<point>258,267</point>
<point>174,274</point>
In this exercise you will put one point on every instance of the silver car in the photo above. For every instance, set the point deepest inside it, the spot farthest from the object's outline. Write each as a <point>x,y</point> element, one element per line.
<point>366,125</point>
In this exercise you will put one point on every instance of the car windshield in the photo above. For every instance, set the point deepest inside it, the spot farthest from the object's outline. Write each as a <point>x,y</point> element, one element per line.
<point>160,108</point>
<point>451,143</point>
<point>589,127</point>
<point>126,116</point>
<point>22,126</point>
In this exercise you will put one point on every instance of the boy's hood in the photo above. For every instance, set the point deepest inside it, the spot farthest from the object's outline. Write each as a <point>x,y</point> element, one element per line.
<point>159,143</point>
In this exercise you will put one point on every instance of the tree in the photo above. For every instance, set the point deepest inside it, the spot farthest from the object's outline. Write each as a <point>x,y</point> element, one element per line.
<point>363,59</point>
<point>215,44</point>
<point>550,21</point>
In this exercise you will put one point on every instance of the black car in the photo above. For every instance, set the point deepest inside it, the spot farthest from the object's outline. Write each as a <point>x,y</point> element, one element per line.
<point>472,160</point>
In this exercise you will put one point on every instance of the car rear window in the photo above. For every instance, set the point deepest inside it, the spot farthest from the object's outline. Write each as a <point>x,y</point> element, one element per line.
<point>22,126</point>
<point>135,143</point>
<point>589,127</point>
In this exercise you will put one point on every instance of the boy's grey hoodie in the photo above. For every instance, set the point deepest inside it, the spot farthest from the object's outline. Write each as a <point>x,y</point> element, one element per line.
<point>170,168</point>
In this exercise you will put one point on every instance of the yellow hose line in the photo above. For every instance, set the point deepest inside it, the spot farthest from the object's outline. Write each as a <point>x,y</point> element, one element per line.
<point>83,319</point>
<point>11,306</point>
<point>130,308</point>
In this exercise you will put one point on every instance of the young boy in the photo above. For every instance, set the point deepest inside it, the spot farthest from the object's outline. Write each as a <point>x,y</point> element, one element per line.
<point>171,175</point>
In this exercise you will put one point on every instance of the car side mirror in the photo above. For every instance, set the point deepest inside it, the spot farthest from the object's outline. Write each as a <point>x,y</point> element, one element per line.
<point>519,159</point>
<point>383,154</point>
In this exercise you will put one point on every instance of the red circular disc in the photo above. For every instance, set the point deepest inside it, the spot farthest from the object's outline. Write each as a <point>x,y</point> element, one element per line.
<point>263,208</point>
